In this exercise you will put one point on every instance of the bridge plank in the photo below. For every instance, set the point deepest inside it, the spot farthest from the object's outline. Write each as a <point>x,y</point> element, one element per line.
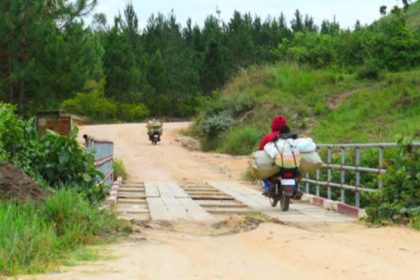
<point>299,212</point>
<point>151,189</point>
<point>168,201</point>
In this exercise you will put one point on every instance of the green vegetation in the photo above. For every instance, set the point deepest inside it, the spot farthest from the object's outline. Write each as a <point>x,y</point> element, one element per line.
<point>118,70</point>
<point>38,235</point>
<point>377,114</point>
<point>119,169</point>
<point>413,15</point>
<point>35,237</point>
<point>399,200</point>
<point>331,106</point>
<point>53,161</point>
<point>98,108</point>
<point>386,44</point>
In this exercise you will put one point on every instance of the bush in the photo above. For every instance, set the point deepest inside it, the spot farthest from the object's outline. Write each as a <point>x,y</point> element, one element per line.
<point>62,162</point>
<point>132,112</point>
<point>51,160</point>
<point>369,71</point>
<point>240,141</point>
<point>119,169</point>
<point>94,105</point>
<point>399,200</point>
<point>213,125</point>
<point>36,236</point>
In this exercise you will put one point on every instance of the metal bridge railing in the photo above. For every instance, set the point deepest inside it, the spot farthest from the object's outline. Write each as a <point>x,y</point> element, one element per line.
<point>343,185</point>
<point>104,156</point>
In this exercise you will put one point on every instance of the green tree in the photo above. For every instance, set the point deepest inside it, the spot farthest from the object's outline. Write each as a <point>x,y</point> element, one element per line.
<point>39,43</point>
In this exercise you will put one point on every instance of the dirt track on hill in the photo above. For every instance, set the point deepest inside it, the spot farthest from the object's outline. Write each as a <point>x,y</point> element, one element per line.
<point>272,251</point>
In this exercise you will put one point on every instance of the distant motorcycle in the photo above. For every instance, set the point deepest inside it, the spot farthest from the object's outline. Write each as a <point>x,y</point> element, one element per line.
<point>154,130</point>
<point>154,137</point>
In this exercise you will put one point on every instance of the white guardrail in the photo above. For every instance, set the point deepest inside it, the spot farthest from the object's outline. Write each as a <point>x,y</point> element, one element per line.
<point>344,150</point>
<point>104,156</point>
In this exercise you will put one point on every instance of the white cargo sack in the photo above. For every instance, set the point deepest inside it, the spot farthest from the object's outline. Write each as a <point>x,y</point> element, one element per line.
<point>305,145</point>
<point>310,162</point>
<point>262,165</point>
<point>284,153</point>
<point>271,150</point>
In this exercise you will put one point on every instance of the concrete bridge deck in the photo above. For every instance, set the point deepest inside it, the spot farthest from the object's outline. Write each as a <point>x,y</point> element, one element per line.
<point>171,201</point>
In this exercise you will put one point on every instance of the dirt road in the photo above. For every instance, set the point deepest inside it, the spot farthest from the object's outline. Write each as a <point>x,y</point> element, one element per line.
<point>272,251</point>
<point>166,161</point>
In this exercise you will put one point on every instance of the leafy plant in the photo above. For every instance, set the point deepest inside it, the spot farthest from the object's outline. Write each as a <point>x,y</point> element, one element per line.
<point>63,162</point>
<point>399,200</point>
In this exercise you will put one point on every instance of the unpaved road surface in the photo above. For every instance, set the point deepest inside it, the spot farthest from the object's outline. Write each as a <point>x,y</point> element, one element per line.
<point>167,160</point>
<point>271,251</point>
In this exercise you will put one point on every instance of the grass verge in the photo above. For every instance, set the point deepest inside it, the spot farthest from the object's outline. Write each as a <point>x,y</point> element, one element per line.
<point>38,236</point>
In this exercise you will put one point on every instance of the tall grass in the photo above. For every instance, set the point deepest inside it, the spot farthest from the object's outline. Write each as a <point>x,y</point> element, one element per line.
<point>119,169</point>
<point>240,141</point>
<point>37,236</point>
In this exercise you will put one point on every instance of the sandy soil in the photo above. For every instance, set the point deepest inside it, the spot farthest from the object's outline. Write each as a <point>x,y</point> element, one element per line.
<point>272,251</point>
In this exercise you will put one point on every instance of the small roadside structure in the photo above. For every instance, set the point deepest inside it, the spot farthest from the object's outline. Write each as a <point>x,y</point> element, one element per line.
<point>57,121</point>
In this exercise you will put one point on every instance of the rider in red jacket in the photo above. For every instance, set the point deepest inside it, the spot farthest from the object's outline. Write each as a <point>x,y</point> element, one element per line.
<point>279,123</point>
<point>276,125</point>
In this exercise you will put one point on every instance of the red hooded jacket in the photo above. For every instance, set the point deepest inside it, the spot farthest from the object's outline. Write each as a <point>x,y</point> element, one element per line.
<point>276,124</point>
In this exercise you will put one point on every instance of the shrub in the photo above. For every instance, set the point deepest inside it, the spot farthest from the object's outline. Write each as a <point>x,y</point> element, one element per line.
<point>237,107</point>
<point>15,133</point>
<point>213,125</point>
<point>240,141</point>
<point>62,162</point>
<point>369,72</point>
<point>98,108</point>
<point>119,169</point>
<point>399,200</point>
<point>93,105</point>
<point>132,112</point>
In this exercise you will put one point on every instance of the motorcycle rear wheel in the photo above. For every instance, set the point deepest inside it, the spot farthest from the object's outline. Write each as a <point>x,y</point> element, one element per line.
<point>284,203</point>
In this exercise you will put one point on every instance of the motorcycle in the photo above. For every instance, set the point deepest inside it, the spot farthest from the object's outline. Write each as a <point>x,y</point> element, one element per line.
<point>154,137</point>
<point>283,188</point>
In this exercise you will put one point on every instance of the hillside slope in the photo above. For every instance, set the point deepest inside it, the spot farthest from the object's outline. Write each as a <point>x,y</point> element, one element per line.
<point>413,15</point>
<point>327,105</point>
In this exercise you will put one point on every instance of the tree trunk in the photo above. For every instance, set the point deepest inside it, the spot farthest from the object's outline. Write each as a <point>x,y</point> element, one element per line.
<point>21,104</point>
<point>9,80</point>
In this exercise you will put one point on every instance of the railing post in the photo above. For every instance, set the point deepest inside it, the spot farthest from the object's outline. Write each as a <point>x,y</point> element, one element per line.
<point>307,183</point>
<point>357,193</point>
<point>329,172</point>
<point>317,180</point>
<point>343,174</point>
<point>381,166</point>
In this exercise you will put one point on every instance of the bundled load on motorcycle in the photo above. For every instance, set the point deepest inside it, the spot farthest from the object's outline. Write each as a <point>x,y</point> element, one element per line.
<point>288,154</point>
<point>154,130</point>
